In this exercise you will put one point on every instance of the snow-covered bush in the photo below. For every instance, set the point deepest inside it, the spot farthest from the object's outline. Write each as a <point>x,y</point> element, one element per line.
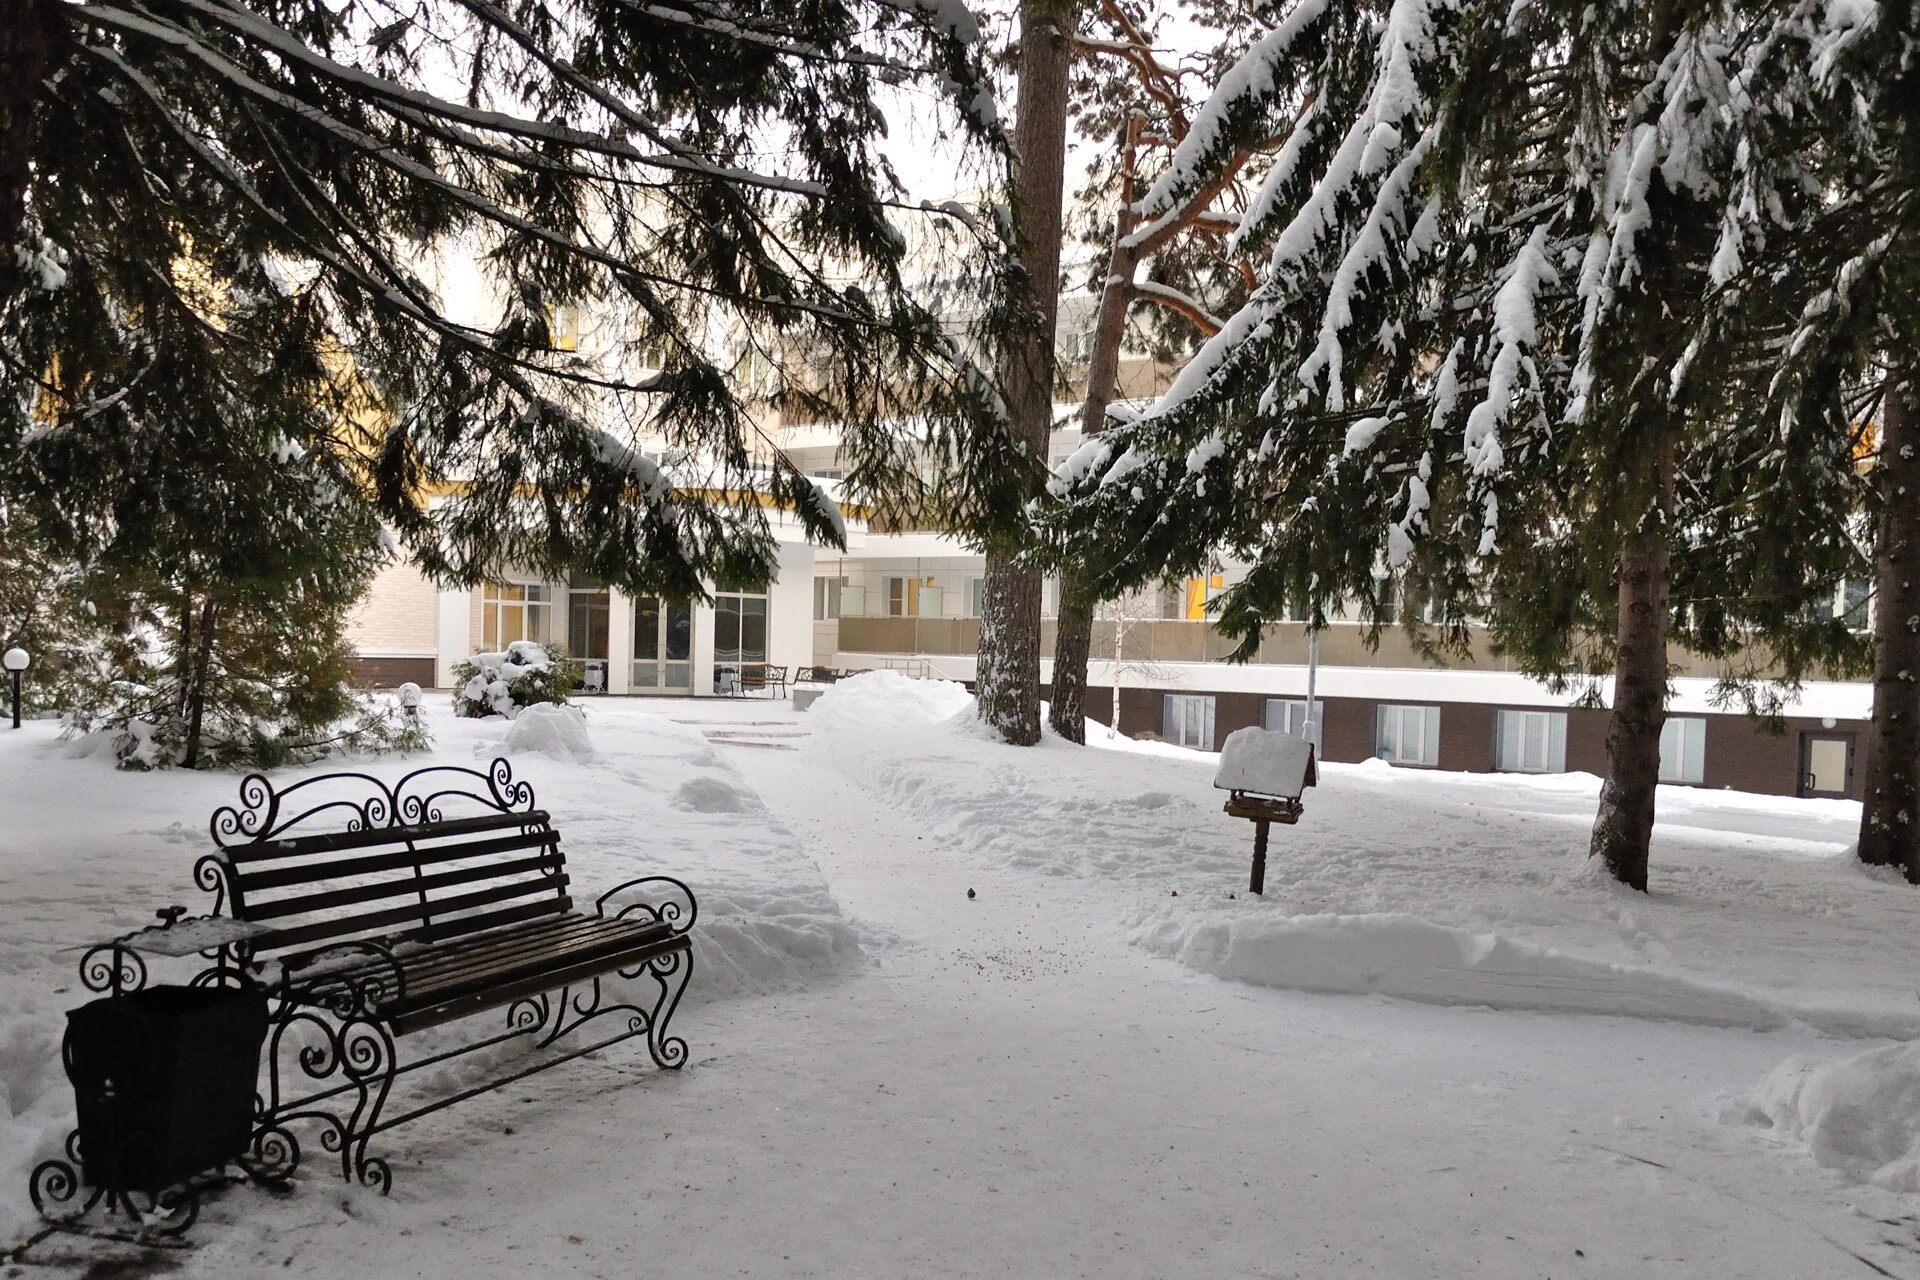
<point>500,684</point>
<point>247,674</point>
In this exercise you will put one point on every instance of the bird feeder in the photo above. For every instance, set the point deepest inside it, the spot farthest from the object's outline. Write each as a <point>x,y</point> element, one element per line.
<point>1264,774</point>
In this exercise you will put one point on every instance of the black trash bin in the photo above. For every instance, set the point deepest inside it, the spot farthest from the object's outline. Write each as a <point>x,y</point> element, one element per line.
<point>163,1080</point>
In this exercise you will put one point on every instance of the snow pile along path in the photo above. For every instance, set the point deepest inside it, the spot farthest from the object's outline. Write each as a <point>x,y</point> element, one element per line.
<point>1414,959</point>
<point>1859,1114</point>
<point>1452,888</point>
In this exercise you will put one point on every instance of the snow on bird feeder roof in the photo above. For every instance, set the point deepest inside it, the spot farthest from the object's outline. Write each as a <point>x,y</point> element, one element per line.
<point>1261,762</point>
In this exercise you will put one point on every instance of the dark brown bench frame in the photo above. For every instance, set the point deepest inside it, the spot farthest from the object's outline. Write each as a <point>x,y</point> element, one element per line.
<point>765,676</point>
<point>351,967</point>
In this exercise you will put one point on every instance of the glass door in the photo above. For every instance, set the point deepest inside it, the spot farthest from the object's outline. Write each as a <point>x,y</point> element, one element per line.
<point>662,646</point>
<point>588,616</point>
<point>739,634</point>
<point>1826,764</point>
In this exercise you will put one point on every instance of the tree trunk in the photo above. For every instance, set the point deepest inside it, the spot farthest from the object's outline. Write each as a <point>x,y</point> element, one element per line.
<point>28,34</point>
<point>1009,669</point>
<point>1890,815</point>
<point>1073,633</point>
<point>1072,638</point>
<point>1623,825</point>
<point>197,699</point>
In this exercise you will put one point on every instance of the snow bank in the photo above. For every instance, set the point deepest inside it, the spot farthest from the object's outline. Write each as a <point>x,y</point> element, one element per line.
<point>1859,1115</point>
<point>1413,959</point>
<point>550,729</point>
<point>886,700</point>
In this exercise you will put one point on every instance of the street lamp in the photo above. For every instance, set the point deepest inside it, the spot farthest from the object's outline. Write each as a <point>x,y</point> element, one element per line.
<point>410,699</point>
<point>15,661</point>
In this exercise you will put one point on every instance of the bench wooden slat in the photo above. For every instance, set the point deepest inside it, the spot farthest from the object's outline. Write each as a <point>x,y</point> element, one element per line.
<point>526,938</point>
<point>534,983</point>
<point>487,967</point>
<point>335,841</point>
<point>441,931</point>
<point>411,886</point>
<point>347,926</point>
<point>401,859</point>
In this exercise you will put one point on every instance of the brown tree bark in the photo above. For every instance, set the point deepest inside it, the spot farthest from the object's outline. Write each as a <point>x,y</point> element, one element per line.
<point>1623,825</point>
<point>1890,815</point>
<point>1073,632</point>
<point>197,700</point>
<point>1008,677</point>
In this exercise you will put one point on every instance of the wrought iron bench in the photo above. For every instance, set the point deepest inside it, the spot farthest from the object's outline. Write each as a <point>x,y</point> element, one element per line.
<point>762,675</point>
<point>437,898</point>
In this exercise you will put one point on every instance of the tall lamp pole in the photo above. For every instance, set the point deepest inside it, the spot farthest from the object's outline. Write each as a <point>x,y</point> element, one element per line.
<point>15,661</point>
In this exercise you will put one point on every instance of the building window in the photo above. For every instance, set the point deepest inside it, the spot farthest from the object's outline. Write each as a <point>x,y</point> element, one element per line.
<point>1388,597</point>
<point>563,327</point>
<point>826,598</point>
<point>1201,592</point>
<point>1407,735</point>
<point>1287,715</point>
<point>976,590</point>
<point>1854,604</point>
<point>1531,742</point>
<point>1187,720</point>
<point>1683,749</point>
<point>739,633</point>
<point>902,601</point>
<point>756,372</point>
<point>511,611</point>
<point>1296,608</point>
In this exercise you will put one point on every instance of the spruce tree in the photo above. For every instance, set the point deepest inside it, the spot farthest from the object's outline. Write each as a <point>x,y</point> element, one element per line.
<point>1009,653</point>
<point>1458,384</point>
<point>1169,279</point>
<point>1817,321</point>
<point>683,171</point>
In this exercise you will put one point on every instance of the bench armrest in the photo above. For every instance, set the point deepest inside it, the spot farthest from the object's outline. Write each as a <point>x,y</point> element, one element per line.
<point>669,902</point>
<point>349,978</point>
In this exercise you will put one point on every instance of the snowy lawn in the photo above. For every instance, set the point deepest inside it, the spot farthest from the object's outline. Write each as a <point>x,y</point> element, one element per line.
<point>890,1078</point>
<point>1450,887</point>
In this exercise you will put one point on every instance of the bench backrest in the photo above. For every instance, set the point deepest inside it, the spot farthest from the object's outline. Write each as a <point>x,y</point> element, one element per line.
<point>442,852</point>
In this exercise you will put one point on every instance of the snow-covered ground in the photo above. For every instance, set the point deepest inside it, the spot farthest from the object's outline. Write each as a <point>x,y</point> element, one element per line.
<point>1109,1060</point>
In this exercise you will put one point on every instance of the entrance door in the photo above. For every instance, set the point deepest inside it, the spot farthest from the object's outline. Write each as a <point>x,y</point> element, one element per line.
<point>588,612</point>
<point>662,646</point>
<point>1826,764</point>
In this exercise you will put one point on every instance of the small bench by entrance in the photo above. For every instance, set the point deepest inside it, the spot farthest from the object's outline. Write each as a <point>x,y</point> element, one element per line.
<point>378,911</point>
<point>754,677</point>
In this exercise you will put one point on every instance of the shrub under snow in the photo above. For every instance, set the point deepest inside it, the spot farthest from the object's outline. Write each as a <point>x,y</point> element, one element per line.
<point>500,684</point>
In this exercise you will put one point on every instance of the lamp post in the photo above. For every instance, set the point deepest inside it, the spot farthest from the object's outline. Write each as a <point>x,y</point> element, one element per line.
<point>410,699</point>
<point>15,660</point>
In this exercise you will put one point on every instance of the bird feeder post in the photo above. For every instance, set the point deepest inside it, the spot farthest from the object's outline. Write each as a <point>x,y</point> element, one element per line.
<point>1259,881</point>
<point>1263,774</point>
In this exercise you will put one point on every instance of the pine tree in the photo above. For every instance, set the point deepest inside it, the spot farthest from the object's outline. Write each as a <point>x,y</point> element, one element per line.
<point>684,171</point>
<point>1489,231</point>
<point>218,533</point>
<point>1820,271</point>
<point>1009,663</point>
<point>1125,89</point>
